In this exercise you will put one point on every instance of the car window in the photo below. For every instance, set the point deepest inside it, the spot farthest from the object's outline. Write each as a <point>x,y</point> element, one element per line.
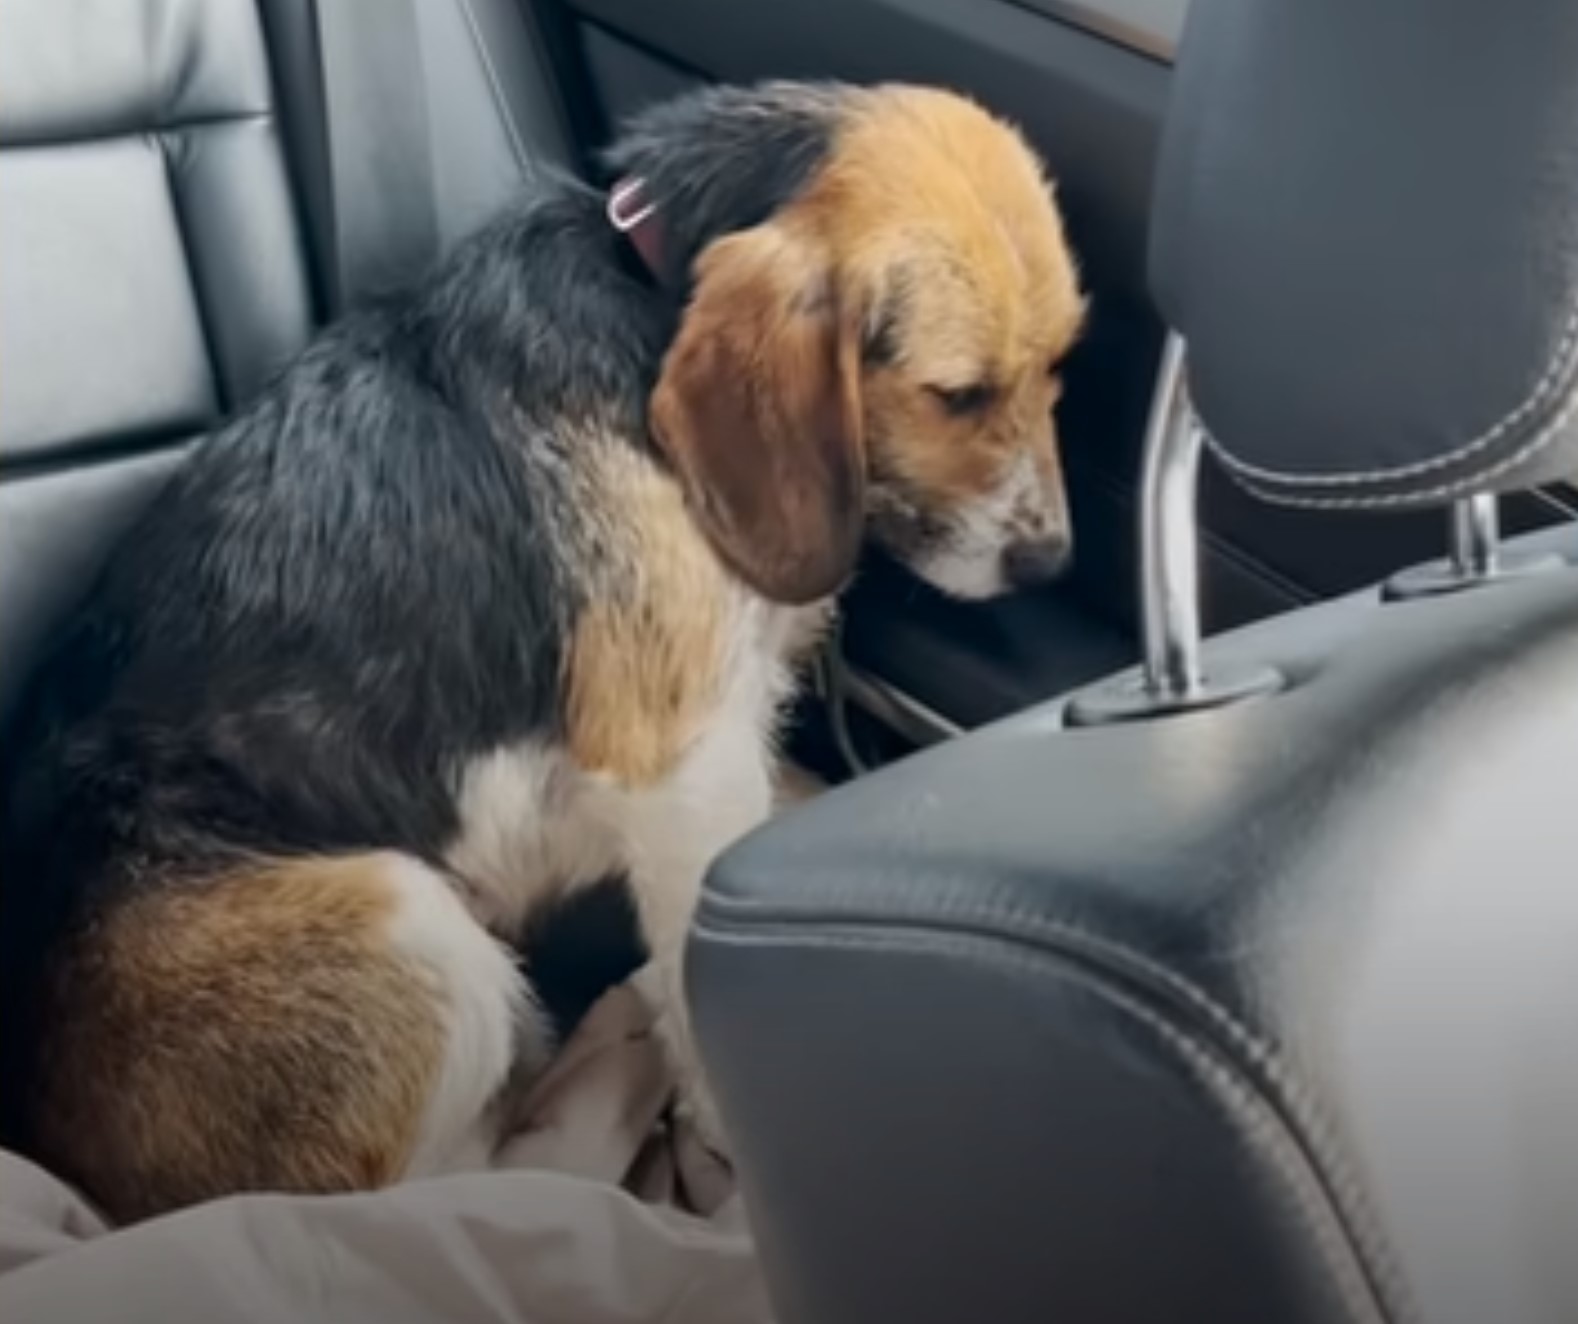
<point>1152,26</point>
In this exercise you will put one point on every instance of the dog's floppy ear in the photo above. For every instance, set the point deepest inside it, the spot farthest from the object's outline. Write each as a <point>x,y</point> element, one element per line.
<point>758,410</point>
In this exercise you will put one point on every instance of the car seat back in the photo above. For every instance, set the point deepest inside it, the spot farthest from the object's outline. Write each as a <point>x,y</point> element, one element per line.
<point>186,199</point>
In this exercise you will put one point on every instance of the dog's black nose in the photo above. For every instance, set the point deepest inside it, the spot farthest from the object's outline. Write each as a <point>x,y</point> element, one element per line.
<point>1036,561</point>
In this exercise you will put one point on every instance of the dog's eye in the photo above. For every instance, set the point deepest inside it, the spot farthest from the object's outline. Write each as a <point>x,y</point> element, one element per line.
<point>961,400</point>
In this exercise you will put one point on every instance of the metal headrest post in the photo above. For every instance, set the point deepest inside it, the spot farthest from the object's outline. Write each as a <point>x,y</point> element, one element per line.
<point>1172,678</point>
<point>1169,534</point>
<point>1476,557</point>
<point>1476,536</point>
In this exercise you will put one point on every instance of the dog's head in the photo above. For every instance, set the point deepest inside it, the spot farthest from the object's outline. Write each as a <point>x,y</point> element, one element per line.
<point>880,357</point>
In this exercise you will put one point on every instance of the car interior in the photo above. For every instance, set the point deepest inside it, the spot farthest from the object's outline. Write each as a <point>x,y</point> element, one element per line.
<point>1189,940</point>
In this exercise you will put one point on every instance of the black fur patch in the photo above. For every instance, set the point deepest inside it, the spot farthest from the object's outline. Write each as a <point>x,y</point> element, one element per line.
<point>880,335</point>
<point>726,158</point>
<point>578,947</point>
<point>880,343</point>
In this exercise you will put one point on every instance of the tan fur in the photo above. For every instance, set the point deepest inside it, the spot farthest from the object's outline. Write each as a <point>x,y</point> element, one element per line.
<point>646,658</point>
<point>928,188</point>
<point>758,409</point>
<point>251,1032</point>
<point>934,214</point>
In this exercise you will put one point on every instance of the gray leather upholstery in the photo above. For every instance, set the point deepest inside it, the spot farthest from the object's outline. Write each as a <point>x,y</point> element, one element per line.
<point>1258,1014</point>
<point>1363,227</point>
<point>155,270</point>
<point>169,236</point>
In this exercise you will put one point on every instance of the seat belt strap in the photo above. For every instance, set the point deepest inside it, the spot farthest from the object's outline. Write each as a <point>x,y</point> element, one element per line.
<point>384,218</point>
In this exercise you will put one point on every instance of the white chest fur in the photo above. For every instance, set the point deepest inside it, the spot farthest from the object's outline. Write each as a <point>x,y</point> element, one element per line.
<point>533,823</point>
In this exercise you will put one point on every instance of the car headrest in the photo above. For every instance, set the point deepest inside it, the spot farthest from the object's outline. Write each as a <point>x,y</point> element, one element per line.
<point>1366,230</point>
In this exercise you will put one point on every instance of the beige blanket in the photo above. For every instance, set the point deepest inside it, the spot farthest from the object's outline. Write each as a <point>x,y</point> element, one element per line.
<point>603,1212</point>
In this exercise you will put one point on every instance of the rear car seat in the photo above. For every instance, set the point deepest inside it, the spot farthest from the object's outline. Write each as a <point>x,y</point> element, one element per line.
<point>176,226</point>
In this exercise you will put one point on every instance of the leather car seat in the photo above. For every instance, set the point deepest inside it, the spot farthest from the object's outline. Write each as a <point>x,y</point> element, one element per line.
<point>191,187</point>
<point>1260,1010</point>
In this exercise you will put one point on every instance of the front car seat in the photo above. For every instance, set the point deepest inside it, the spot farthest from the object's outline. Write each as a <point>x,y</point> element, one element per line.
<point>1257,1004</point>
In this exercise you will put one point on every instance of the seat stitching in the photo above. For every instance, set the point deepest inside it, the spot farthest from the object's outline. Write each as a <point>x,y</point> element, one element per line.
<point>1557,371</point>
<point>180,207</point>
<point>89,138</point>
<point>73,456</point>
<point>1016,925</point>
<point>1468,483</point>
<point>1345,1192</point>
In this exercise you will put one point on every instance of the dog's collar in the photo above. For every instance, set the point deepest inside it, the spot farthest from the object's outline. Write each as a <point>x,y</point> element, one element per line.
<point>633,214</point>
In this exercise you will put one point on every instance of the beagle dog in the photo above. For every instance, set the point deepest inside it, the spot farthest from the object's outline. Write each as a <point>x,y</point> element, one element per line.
<point>483,616</point>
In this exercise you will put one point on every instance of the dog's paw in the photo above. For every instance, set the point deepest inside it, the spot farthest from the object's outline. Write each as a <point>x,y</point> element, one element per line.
<point>693,1110</point>
<point>701,1159</point>
<point>696,1115</point>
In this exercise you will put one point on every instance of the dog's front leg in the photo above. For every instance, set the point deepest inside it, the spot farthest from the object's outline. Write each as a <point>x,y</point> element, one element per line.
<point>723,790</point>
<point>664,982</point>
